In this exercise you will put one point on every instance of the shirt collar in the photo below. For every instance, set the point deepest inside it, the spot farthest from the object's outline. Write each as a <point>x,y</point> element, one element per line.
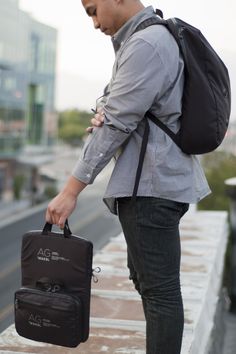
<point>129,27</point>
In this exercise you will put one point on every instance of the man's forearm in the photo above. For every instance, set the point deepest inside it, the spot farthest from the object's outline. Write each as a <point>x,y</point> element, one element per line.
<point>73,186</point>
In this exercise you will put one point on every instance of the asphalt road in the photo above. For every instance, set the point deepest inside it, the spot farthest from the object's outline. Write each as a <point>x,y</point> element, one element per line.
<point>91,220</point>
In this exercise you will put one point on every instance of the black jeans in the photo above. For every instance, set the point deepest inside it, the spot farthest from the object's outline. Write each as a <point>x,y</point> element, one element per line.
<point>151,230</point>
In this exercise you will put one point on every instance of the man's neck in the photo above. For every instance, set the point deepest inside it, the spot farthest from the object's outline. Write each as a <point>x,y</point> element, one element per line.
<point>133,8</point>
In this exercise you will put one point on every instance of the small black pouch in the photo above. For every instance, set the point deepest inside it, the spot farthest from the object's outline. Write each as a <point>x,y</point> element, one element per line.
<point>49,317</point>
<point>53,303</point>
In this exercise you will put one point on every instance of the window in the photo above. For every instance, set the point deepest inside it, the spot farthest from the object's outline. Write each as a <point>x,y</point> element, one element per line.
<point>10,83</point>
<point>34,52</point>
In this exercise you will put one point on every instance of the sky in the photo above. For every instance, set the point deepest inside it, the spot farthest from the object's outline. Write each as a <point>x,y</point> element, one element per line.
<point>85,56</point>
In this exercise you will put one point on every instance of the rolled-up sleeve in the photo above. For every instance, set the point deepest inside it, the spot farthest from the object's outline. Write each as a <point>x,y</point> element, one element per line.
<point>140,77</point>
<point>98,150</point>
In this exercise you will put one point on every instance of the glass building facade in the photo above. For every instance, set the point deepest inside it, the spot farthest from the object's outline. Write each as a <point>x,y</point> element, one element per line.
<point>27,80</point>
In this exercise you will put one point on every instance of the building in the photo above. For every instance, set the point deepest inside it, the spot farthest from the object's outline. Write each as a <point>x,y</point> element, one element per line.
<point>27,85</point>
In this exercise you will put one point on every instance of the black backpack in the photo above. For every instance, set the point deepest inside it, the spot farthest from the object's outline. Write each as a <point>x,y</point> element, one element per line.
<point>206,98</point>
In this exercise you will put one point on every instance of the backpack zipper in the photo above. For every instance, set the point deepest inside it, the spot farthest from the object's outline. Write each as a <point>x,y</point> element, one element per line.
<point>52,294</point>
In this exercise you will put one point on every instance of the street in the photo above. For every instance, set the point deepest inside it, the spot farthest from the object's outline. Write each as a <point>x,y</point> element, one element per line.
<point>91,220</point>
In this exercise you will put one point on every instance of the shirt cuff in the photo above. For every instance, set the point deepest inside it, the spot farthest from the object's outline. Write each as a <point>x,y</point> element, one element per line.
<point>84,173</point>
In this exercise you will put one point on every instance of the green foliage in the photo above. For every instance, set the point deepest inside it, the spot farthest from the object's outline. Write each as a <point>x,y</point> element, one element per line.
<point>72,125</point>
<point>50,192</point>
<point>18,183</point>
<point>218,166</point>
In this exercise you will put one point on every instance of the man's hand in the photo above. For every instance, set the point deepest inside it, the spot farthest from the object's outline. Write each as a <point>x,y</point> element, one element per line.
<point>62,206</point>
<point>97,120</point>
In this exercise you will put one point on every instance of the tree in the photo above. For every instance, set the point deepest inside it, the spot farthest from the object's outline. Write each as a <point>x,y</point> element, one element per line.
<point>72,125</point>
<point>18,183</point>
<point>218,166</point>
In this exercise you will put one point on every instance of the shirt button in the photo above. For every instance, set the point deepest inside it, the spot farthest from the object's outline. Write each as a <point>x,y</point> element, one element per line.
<point>101,154</point>
<point>88,175</point>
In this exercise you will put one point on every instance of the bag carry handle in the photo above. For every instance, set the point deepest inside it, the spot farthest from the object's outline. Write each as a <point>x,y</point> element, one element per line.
<point>66,230</point>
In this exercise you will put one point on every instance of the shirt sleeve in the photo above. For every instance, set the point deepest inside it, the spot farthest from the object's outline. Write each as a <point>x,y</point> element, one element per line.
<point>140,78</point>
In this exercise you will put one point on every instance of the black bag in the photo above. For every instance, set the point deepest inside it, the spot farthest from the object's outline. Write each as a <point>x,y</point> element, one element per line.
<point>206,101</point>
<point>53,304</point>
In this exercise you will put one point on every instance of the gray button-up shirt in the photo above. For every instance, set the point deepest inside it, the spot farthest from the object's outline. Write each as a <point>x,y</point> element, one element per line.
<point>147,75</point>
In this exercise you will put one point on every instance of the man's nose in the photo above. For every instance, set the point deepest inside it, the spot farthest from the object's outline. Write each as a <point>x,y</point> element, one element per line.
<point>95,22</point>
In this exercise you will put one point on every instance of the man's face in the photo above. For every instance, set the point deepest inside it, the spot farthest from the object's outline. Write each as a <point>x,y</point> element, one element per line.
<point>105,15</point>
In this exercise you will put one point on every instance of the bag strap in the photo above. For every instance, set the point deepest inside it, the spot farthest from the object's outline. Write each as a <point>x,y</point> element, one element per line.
<point>168,23</point>
<point>146,23</point>
<point>150,22</point>
<point>66,231</point>
<point>141,159</point>
<point>174,136</point>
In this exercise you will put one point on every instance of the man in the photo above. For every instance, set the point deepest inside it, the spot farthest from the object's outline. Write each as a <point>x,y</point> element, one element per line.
<point>147,75</point>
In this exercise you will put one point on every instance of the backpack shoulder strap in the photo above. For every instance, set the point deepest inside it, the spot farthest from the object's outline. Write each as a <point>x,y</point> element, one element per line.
<point>174,30</point>
<point>141,159</point>
<point>146,23</point>
<point>175,137</point>
<point>149,22</point>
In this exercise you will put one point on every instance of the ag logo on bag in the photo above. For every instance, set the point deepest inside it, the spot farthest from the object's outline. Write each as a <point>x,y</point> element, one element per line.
<point>44,254</point>
<point>38,321</point>
<point>47,255</point>
<point>35,320</point>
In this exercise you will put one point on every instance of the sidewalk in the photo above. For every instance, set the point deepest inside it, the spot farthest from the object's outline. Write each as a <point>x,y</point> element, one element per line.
<point>117,321</point>
<point>14,207</point>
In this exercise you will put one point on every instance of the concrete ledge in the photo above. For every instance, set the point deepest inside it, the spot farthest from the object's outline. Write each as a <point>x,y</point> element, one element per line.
<point>117,320</point>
